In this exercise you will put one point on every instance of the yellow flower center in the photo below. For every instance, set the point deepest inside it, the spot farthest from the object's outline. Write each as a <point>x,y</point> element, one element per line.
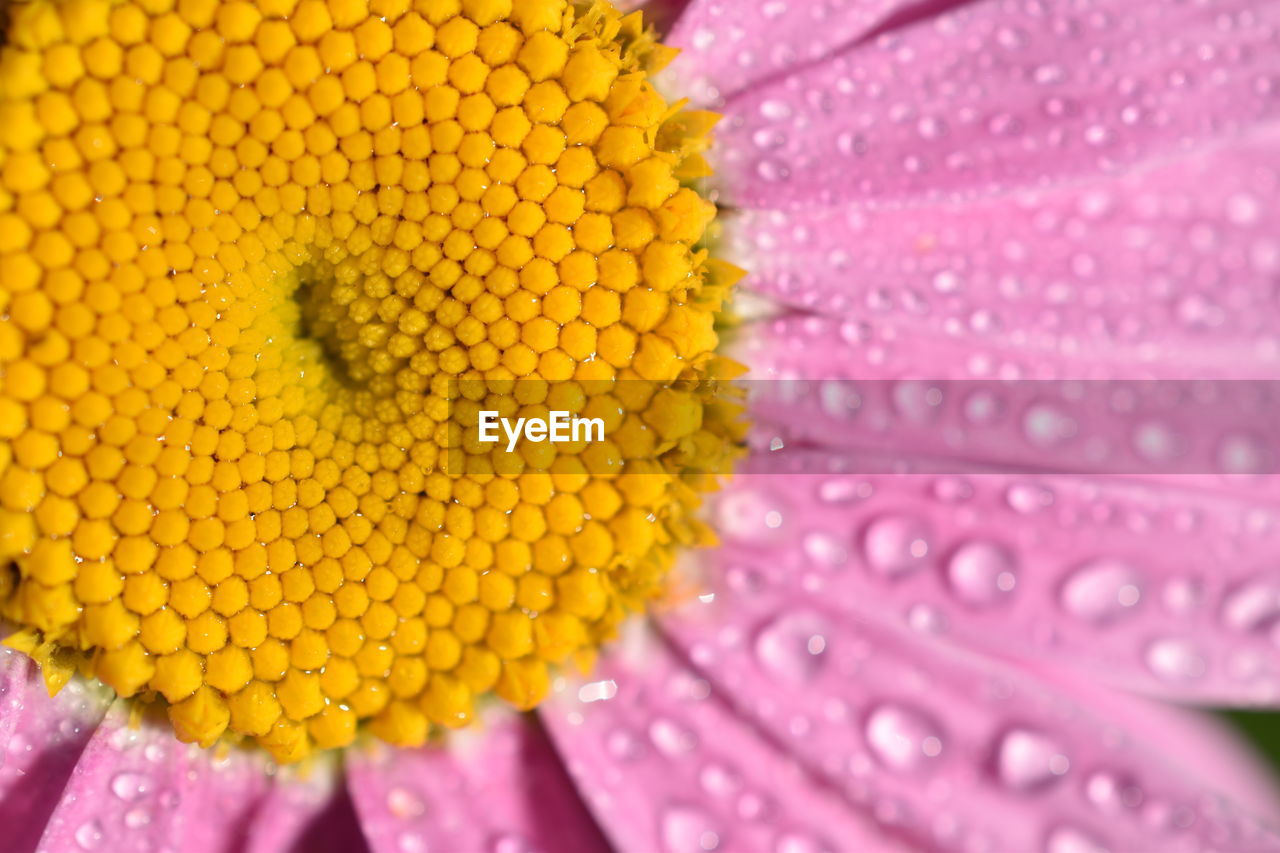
<point>251,254</point>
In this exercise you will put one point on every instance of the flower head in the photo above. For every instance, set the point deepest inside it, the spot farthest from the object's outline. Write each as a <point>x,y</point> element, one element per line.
<point>253,256</point>
<point>937,589</point>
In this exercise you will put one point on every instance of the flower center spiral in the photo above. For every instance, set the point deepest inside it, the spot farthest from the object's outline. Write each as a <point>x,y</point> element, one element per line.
<point>248,251</point>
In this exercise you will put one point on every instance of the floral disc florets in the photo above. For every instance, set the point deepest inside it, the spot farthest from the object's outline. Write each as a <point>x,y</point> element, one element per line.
<point>248,253</point>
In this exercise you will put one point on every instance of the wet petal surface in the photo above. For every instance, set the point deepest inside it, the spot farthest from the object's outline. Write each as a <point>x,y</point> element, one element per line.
<point>999,95</point>
<point>950,750</point>
<point>1164,586</point>
<point>136,788</point>
<point>731,47</point>
<point>501,789</point>
<point>667,764</point>
<point>41,740</point>
<point>1167,271</point>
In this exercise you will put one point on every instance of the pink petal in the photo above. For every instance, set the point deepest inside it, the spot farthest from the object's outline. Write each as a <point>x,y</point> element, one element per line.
<point>667,765</point>
<point>302,810</point>
<point>1166,271</point>
<point>138,788</point>
<point>501,788</point>
<point>948,749</point>
<point>41,739</point>
<point>996,95</point>
<point>729,46</point>
<point>72,779</point>
<point>14,674</point>
<point>1167,586</point>
<point>1122,428</point>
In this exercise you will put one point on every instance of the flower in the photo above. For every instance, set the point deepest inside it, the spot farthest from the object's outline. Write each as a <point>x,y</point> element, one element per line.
<point>946,191</point>
<point>263,268</point>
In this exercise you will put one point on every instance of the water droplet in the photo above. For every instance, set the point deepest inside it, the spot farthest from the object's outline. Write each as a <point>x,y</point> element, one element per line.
<point>981,572</point>
<point>1110,792</point>
<point>1253,606</point>
<point>1102,590</point>
<point>895,545</point>
<point>1046,426</point>
<point>903,738</point>
<point>926,619</point>
<point>792,646</point>
<point>852,144</point>
<point>508,843</point>
<point>404,803</point>
<point>598,691</point>
<point>129,786</point>
<point>1027,498</point>
<point>137,818</point>
<point>1241,454</point>
<point>622,744</point>
<point>411,842</point>
<point>844,491</point>
<point>89,835</point>
<point>800,842</point>
<point>688,829</point>
<point>946,281</point>
<point>672,738</point>
<point>1176,659</point>
<point>1155,441</point>
<point>931,127</point>
<point>1068,839</point>
<point>1027,760</point>
<point>772,170</point>
<point>952,490</point>
<point>1243,209</point>
<point>719,781</point>
<point>775,110</point>
<point>750,516</point>
<point>825,549</point>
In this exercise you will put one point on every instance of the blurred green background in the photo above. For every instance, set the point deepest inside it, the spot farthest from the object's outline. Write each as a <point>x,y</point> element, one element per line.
<point>1262,728</point>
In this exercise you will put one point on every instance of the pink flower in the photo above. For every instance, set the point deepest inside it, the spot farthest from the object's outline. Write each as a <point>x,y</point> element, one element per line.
<point>931,190</point>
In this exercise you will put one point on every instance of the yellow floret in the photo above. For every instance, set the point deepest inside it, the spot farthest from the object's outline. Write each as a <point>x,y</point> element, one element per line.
<point>260,267</point>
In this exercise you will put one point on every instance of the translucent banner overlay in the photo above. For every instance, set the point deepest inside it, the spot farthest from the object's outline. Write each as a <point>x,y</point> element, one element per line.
<point>602,427</point>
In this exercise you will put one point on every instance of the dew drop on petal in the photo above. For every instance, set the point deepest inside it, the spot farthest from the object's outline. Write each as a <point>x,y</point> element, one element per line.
<point>672,738</point>
<point>1029,760</point>
<point>1176,659</point>
<point>89,835</point>
<point>1068,839</point>
<point>1241,454</point>
<point>1047,426</point>
<point>508,843</point>
<point>1101,591</point>
<point>793,646</point>
<point>775,110</point>
<point>411,842</point>
<point>404,803</point>
<point>1112,792</point>
<point>895,545</point>
<point>825,549</point>
<point>719,780</point>
<point>1253,606</point>
<point>750,516</point>
<point>1027,498</point>
<point>903,738</point>
<point>926,619</point>
<point>800,842</point>
<point>981,572</point>
<point>622,744</point>
<point>129,786</point>
<point>688,830</point>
